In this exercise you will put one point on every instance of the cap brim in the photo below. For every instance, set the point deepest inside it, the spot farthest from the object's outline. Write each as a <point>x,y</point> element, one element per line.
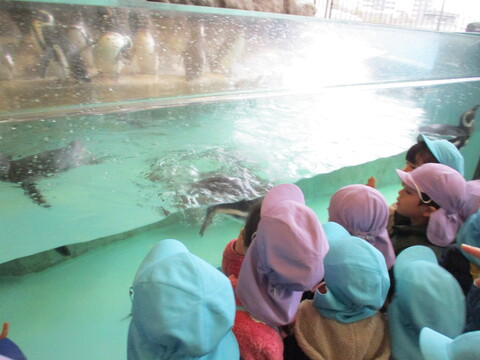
<point>280,193</point>
<point>434,346</point>
<point>412,254</point>
<point>406,178</point>
<point>334,231</point>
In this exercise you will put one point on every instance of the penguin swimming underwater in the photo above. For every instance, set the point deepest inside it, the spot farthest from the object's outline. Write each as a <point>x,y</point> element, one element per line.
<point>26,170</point>
<point>459,135</point>
<point>239,210</point>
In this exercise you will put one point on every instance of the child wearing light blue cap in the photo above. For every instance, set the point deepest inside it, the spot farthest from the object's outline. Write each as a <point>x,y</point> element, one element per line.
<point>426,295</point>
<point>469,234</point>
<point>436,346</point>
<point>343,320</point>
<point>182,308</point>
<point>445,152</point>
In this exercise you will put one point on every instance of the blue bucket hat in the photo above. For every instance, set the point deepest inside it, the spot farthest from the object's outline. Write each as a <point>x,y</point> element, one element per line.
<point>446,153</point>
<point>425,293</point>
<point>356,276</point>
<point>334,231</point>
<point>436,346</point>
<point>469,234</point>
<point>182,308</point>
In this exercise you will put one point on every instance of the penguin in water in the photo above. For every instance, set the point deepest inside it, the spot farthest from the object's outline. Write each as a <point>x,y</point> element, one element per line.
<point>239,210</point>
<point>459,135</point>
<point>27,170</point>
<point>55,45</point>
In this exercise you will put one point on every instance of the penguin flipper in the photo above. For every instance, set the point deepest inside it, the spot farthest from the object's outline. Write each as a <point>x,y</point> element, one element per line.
<point>30,189</point>
<point>208,219</point>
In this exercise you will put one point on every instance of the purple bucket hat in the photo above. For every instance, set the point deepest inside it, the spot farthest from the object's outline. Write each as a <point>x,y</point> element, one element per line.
<point>285,257</point>
<point>363,212</point>
<point>446,187</point>
<point>472,204</point>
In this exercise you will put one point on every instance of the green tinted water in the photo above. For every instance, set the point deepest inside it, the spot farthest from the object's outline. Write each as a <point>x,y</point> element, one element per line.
<point>79,309</point>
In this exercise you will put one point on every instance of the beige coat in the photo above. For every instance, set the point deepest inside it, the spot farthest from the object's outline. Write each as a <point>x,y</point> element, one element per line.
<point>321,338</point>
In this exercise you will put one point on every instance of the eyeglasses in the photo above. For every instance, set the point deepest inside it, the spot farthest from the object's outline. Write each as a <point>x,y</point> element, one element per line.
<point>417,188</point>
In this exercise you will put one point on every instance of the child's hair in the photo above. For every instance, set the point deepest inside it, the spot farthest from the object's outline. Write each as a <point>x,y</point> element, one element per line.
<point>421,149</point>
<point>251,224</point>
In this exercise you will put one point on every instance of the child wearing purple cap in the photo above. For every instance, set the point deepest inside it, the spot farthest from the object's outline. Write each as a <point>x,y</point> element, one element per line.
<point>425,151</point>
<point>432,198</point>
<point>363,211</point>
<point>284,259</point>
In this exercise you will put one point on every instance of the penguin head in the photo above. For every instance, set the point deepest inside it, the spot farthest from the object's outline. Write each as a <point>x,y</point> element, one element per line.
<point>468,118</point>
<point>44,17</point>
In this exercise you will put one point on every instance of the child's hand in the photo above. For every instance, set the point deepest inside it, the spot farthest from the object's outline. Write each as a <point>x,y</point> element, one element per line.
<point>4,333</point>
<point>474,251</point>
<point>238,246</point>
<point>372,182</point>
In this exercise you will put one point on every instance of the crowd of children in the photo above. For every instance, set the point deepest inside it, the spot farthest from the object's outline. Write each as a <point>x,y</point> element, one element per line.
<point>374,282</point>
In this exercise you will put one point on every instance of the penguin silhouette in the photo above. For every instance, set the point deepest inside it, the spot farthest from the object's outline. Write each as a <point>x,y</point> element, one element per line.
<point>55,45</point>
<point>459,135</point>
<point>25,171</point>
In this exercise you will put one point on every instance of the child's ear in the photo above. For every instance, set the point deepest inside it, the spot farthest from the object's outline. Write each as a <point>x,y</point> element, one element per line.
<point>429,211</point>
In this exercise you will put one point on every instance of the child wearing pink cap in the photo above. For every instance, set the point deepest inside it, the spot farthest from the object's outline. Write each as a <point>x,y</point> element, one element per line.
<point>363,212</point>
<point>284,259</point>
<point>432,198</point>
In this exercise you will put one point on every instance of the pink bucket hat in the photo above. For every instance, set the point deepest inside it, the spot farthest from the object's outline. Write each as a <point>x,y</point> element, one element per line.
<point>446,187</point>
<point>363,212</point>
<point>285,257</point>
<point>472,204</point>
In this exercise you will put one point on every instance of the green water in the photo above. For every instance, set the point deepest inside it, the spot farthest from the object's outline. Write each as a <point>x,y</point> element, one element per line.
<point>156,162</point>
<point>79,309</point>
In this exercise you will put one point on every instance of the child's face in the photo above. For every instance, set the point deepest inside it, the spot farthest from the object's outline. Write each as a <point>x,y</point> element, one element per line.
<point>409,204</point>
<point>409,166</point>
